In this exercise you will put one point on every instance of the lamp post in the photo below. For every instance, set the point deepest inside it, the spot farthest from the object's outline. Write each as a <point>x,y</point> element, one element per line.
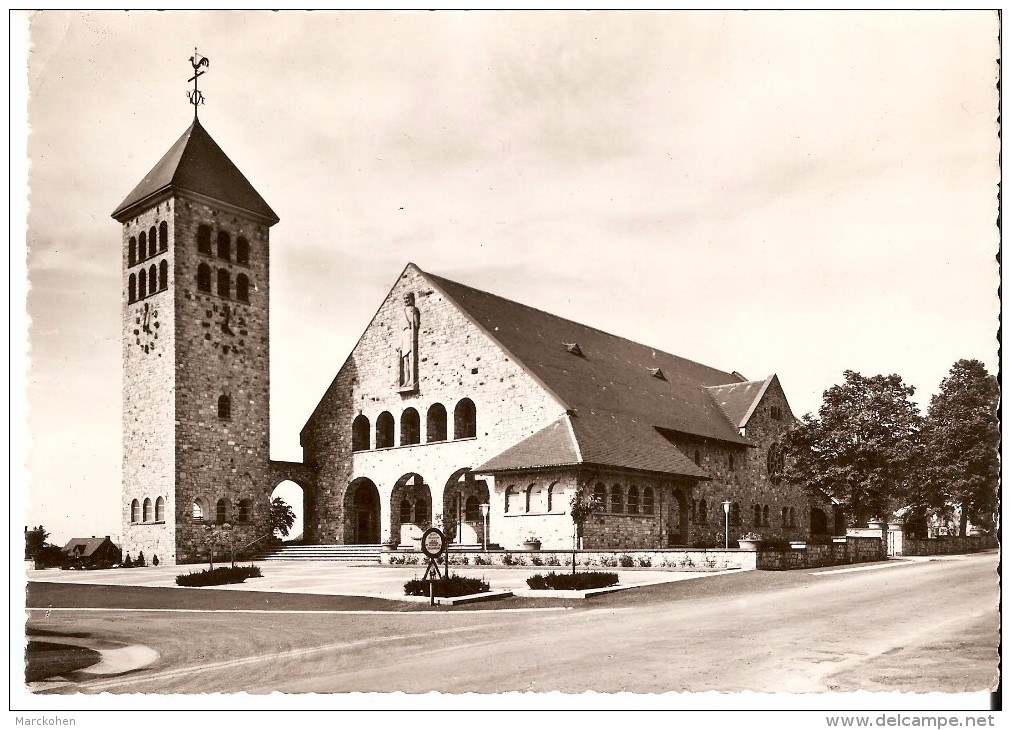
<point>484,513</point>
<point>726,523</point>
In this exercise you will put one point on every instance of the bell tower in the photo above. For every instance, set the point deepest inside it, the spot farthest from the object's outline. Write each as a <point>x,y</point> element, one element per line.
<point>196,354</point>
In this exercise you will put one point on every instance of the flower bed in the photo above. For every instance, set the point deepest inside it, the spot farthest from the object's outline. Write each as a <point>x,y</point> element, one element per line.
<point>571,582</point>
<point>218,576</point>
<point>456,585</point>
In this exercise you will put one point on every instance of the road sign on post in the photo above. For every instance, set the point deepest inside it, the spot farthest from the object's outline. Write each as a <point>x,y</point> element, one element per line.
<point>433,545</point>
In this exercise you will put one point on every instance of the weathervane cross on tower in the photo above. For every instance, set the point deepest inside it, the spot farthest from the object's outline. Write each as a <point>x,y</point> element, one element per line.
<point>195,96</point>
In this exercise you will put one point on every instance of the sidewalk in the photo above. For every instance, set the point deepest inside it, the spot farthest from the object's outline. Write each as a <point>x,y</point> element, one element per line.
<point>334,579</point>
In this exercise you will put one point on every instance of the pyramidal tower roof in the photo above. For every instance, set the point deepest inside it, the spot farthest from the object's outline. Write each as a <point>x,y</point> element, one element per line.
<point>196,164</point>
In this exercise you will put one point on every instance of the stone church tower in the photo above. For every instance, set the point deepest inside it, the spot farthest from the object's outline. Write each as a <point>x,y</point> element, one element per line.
<point>196,357</point>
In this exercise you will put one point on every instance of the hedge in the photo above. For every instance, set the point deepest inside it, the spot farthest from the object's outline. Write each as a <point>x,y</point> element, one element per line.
<point>457,585</point>
<point>571,582</point>
<point>219,576</point>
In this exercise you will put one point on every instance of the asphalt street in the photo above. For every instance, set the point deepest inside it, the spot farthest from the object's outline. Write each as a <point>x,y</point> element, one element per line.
<point>918,625</point>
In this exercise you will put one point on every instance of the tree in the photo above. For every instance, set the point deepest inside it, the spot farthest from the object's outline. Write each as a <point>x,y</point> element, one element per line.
<point>862,447</point>
<point>581,506</point>
<point>35,541</point>
<point>961,439</point>
<point>282,517</point>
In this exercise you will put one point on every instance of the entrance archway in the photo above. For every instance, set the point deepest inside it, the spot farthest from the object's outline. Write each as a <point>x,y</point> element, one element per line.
<point>676,519</point>
<point>461,506</point>
<point>294,496</point>
<point>819,522</point>
<point>361,513</point>
<point>410,509</point>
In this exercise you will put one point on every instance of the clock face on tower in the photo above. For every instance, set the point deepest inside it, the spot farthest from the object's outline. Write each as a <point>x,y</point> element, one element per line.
<point>146,327</point>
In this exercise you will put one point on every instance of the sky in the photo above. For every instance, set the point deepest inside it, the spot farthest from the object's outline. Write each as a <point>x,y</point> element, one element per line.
<point>790,193</point>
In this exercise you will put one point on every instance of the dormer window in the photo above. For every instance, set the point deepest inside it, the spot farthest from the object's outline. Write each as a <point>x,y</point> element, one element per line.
<point>573,349</point>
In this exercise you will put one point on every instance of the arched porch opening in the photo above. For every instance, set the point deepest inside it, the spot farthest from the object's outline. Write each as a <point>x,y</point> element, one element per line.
<point>292,495</point>
<point>819,522</point>
<point>361,513</point>
<point>461,507</point>
<point>410,509</point>
<point>676,517</point>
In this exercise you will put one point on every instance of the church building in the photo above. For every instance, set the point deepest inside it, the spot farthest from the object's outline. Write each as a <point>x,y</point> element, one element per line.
<point>454,403</point>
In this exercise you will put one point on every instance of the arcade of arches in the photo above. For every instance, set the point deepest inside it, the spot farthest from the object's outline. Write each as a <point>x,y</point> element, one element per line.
<point>409,511</point>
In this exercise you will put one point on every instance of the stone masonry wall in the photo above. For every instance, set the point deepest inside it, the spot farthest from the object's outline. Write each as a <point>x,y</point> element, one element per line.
<point>148,398</point>
<point>456,360</point>
<point>221,458</point>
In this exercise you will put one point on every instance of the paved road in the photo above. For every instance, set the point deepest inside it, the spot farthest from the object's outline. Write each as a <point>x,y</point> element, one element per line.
<point>926,625</point>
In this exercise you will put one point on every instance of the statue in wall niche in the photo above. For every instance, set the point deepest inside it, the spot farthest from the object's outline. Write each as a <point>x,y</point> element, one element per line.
<point>409,343</point>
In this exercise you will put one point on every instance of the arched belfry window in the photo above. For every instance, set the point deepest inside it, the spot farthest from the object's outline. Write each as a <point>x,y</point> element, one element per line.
<point>224,283</point>
<point>224,406</point>
<point>135,511</point>
<point>199,509</point>
<point>242,288</point>
<point>142,284</point>
<point>242,251</point>
<point>152,277</point>
<point>132,251</point>
<point>465,420</point>
<point>133,287</point>
<point>142,246</point>
<point>204,239</point>
<point>221,512</point>
<point>163,236</point>
<point>360,428</point>
<point>163,275</point>
<point>224,246</point>
<point>148,512</point>
<point>159,509</point>
<point>436,423</point>
<point>204,278</point>
<point>410,427</point>
<point>384,430</point>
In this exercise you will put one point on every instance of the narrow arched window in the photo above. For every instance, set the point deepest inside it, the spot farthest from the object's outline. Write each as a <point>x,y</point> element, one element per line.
<point>758,515</point>
<point>617,499</point>
<point>147,509</point>
<point>472,510</point>
<point>133,287</point>
<point>465,420</point>
<point>529,498</point>
<point>135,511</point>
<point>152,278</point>
<point>132,251</point>
<point>633,500</point>
<point>405,511</point>
<point>410,427</point>
<point>551,495</point>
<point>384,430</point>
<point>142,247</point>
<point>242,251</point>
<point>159,509</point>
<point>204,239</point>
<point>163,275</point>
<point>648,501</point>
<point>245,511</point>
<point>703,512</point>
<point>421,511</point>
<point>163,236</point>
<point>224,283</point>
<point>204,278</point>
<point>360,433</point>
<point>198,509</point>
<point>600,496</point>
<point>152,241</point>
<point>242,288</point>
<point>224,406</point>
<point>222,511</point>
<point>436,423</point>
<point>224,246</point>
<point>510,499</point>
<point>142,284</point>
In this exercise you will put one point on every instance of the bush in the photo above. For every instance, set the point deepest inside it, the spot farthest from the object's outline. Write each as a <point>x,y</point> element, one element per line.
<point>457,585</point>
<point>570,582</point>
<point>218,576</point>
<point>609,561</point>
<point>625,561</point>
<point>510,559</point>
<point>128,563</point>
<point>551,560</point>
<point>645,562</point>
<point>140,560</point>
<point>481,560</point>
<point>536,560</point>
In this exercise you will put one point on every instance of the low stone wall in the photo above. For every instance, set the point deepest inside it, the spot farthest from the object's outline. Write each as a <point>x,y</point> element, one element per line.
<point>948,545</point>
<point>842,551</point>
<point>690,560</point>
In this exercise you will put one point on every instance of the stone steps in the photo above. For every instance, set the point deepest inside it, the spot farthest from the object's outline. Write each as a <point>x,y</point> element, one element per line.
<point>337,553</point>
